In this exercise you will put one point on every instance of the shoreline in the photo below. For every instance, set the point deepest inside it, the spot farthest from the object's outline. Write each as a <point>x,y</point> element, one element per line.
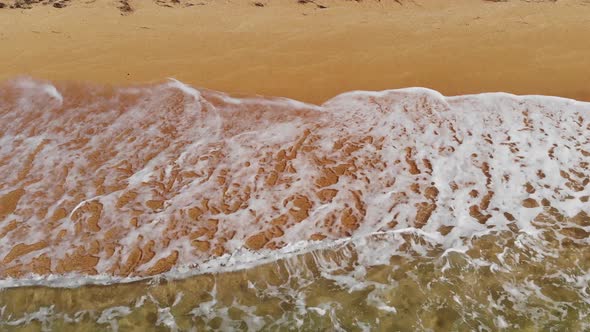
<point>294,164</point>
<point>107,224</point>
<point>302,52</point>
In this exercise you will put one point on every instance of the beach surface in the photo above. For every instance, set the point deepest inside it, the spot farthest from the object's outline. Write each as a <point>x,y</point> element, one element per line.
<point>131,200</point>
<point>304,51</point>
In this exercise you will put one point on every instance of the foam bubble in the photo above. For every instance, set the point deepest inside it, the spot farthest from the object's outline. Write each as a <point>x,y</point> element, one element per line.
<point>140,181</point>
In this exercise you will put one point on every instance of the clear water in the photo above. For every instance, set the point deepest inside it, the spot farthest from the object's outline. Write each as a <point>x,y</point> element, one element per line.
<point>172,208</point>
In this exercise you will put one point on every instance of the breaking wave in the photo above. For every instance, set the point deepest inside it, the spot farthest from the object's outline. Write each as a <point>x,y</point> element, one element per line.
<point>377,195</point>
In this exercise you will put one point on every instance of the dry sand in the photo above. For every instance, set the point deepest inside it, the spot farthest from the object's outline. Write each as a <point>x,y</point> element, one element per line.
<point>301,51</point>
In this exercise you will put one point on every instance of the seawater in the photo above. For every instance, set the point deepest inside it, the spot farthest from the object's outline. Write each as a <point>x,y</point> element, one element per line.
<point>167,207</point>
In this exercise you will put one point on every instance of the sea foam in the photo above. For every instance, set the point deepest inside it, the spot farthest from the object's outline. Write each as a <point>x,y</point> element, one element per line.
<point>104,185</point>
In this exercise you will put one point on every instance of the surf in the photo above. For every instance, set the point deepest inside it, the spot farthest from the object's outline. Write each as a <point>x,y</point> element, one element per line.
<point>167,183</point>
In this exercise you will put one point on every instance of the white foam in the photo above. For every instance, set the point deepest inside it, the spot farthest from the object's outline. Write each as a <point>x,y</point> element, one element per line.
<point>110,316</point>
<point>487,143</point>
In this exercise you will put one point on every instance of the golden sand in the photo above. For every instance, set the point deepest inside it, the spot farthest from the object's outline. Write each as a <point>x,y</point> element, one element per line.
<point>302,51</point>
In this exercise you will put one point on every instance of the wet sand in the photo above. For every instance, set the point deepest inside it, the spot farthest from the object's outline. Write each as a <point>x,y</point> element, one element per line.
<point>302,51</point>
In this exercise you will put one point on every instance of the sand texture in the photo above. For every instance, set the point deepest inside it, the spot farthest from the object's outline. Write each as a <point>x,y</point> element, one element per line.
<point>304,51</point>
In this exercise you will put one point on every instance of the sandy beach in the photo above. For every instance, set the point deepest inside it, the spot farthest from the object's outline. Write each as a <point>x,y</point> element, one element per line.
<point>184,165</point>
<point>304,51</point>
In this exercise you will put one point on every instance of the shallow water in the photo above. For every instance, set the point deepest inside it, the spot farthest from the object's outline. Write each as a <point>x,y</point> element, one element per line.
<point>396,281</point>
<point>394,210</point>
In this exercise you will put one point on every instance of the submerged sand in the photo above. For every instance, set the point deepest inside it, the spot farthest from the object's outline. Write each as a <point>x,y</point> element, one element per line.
<point>303,51</point>
<point>137,181</point>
